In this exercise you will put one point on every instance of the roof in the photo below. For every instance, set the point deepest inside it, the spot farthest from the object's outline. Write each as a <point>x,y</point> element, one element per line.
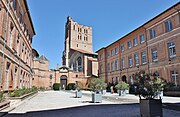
<point>42,57</point>
<point>141,25</point>
<point>84,51</point>
<point>27,8</point>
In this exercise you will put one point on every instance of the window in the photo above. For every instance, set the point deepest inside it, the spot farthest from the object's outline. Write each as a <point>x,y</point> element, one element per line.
<point>174,76</point>
<point>143,57</point>
<point>122,63</point>
<point>116,80</point>
<point>129,44</point>
<point>152,33</point>
<point>116,50</point>
<point>24,27</point>
<point>108,67</point>
<point>168,25</point>
<point>112,52</point>
<point>20,17</point>
<point>116,64</point>
<point>100,56</point>
<point>79,62</point>
<point>108,54</point>
<point>141,38</point>
<point>14,4</point>
<point>172,50</point>
<point>101,68</point>
<point>131,79</point>
<point>154,55</point>
<point>135,41</point>
<point>122,48</point>
<point>74,27</point>
<point>77,45</point>
<point>130,61</point>
<point>112,66</point>
<point>136,59</point>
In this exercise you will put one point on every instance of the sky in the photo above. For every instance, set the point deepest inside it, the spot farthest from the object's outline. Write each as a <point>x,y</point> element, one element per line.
<point>110,20</point>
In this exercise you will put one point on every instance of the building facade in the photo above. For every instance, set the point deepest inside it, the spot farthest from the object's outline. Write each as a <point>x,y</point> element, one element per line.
<point>153,47</point>
<point>16,33</point>
<point>78,56</point>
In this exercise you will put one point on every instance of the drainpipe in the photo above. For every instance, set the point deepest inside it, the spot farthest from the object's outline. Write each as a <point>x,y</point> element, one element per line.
<point>4,42</point>
<point>147,50</point>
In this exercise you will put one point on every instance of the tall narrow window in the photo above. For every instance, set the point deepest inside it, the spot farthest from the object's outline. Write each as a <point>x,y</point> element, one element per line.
<point>130,61</point>
<point>135,41</point>
<point>154,55</point>
<point>136,59</point>
<point>116,50</point>
<point>112,66</point>
<point>122,48</point>
<point>14,4</point>
<point>112,52</point>
<point>122,63</point>
<point>108,54</point>
<point>129,44</point>
<point>116,80</point>
<point>174,76</point>
<point>101,57</point>
<point>108,67</point>
<point>101,68</point>
<point>116,64</point>
<point>168,25</point>
<point>143,54</point>
<point>141,38</point>
<point>152,33</point>
<point>172,50</point>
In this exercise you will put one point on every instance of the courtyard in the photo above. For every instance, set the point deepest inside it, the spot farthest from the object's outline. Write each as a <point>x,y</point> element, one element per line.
<point>64,104</point>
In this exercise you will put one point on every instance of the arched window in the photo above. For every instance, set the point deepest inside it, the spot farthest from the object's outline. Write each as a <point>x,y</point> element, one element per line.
<point>79,64</point>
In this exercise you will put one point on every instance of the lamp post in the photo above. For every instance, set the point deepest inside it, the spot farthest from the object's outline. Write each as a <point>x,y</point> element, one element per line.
<point>120,74</point>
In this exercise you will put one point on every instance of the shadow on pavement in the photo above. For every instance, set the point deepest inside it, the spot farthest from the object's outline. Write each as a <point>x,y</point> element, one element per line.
<point>98,110</point>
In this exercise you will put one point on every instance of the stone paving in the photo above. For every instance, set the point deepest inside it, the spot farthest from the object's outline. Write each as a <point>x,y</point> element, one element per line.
<point>63,104</point>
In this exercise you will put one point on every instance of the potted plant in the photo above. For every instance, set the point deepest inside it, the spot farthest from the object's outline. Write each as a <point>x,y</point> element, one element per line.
<point>121,87</point>
<point>148,90</point>
<point>96,85</point>
<point>78,92</point>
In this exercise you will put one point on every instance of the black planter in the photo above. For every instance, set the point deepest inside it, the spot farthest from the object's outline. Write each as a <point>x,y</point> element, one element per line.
<point>151,107</point>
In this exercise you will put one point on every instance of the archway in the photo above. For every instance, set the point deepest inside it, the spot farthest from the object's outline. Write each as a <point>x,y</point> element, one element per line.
<point>63,82</point>
<point>124,78</point>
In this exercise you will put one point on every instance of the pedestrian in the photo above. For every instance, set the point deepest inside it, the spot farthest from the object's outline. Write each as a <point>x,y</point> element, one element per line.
<point>112,90</point>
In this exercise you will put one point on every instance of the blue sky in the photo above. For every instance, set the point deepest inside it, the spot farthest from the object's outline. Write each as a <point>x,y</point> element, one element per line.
<point>110,20</point>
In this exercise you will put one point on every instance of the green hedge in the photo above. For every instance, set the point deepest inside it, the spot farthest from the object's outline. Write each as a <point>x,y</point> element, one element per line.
<point>20,92</point>
<point>56,86</point>
<point>71,86</point>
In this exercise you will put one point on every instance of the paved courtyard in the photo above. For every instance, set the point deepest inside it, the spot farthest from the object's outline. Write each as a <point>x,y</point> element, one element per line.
<point>63,104</point>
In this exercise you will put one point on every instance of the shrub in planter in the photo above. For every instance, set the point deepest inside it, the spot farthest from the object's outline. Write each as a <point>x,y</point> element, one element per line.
<point>121,87</point>
<point>148,89</point>
<point>71,86</point>
<point>56,86</point>
<point>96,85</point>
<point>1,96</point>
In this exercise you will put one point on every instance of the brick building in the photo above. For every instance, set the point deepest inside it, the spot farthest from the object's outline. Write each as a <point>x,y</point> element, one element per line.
<point>16,32</point>
<point>153,47</point>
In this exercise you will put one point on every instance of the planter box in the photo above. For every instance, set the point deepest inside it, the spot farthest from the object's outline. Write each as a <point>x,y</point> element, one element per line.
<point>96,98</point>
<point>23,96</point>
<point>4,104</point>
<point>78,94</point>
<point>127,91</point>
<point>121,92</point>
<point>103,92</point>
<point>151,108</point>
